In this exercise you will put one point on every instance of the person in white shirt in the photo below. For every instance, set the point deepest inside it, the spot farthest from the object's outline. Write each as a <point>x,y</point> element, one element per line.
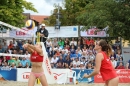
<point>73,42</point>
<point>114,62</point>
<point>82,66</point>
<point>74,66</point>
<point>54,60</point>
<point>79,51</point>
<point>76,61</point>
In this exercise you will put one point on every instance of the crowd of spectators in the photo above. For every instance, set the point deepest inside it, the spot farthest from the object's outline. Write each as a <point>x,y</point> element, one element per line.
<point>72,53</point>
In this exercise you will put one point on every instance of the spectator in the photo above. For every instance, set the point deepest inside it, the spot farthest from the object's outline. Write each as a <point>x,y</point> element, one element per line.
<point>5,47</point>
<point>55,43</point>
<point>61,43</point>
<point>74,66</point>
<point>76,61</point>
<point>120,66</point>
<point>11,61</point>
<point>81,66</point>
<point>113,54</point>
<point>73,42</point>
<point>68,61</point>
<point>118,55</point>
<point>60,60</point>
<point>114,62</point>
<point>89,66</point>
<point>54,60</point>
<point>79,50</point>
<point>14,42</point>
<point>13,66</point>
<point>5,66</point>
<point>4,60</point>
<point>67,42</point>
<point>20,65</point>
<point>60,65</point>
<point>10,45</point>
<point>24,62</point>
<point>1,49</point>
<point>17,61</point>
<point>91,56</point>
<point>27,65</point>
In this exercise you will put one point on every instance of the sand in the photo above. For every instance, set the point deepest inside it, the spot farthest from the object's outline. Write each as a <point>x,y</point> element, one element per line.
<point>10,83</point>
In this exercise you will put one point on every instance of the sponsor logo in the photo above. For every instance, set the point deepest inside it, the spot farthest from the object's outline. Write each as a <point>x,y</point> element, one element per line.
<point>26,75</point>
<point>57,75</point>
<point>48,66</point>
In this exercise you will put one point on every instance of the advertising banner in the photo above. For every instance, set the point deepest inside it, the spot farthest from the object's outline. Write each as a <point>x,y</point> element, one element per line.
<point>59,75</point>
<point>124,76</point>
<point>23,74</point>
<point>64,31</point>
<point>91,33</point>
<point>18,34</point>
<point>80,73</point>
<point>8,74</point>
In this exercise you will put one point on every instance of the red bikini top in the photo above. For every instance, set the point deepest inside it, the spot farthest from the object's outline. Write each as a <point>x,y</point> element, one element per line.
<point>35,57</point>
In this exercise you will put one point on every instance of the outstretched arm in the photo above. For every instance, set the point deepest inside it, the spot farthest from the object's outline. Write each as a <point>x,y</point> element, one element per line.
<point>32,48</point>
<point>39,50</point>
<point>98,61</point>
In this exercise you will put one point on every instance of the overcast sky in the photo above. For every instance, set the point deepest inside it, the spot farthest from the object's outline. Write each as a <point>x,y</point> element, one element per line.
<point>44,7</point>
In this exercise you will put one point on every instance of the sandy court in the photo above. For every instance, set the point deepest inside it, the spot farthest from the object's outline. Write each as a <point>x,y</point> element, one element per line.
<point>9,83</point>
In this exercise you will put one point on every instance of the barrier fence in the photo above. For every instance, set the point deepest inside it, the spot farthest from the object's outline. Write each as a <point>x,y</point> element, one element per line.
<point>61,75</point>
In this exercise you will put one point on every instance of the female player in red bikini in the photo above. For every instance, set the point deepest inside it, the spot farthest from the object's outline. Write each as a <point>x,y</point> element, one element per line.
<point>104,65</point>
<point>36,60</point>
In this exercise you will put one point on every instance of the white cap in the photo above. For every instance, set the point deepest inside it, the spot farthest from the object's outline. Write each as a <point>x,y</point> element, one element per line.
<point>81,63</point>
<point>43,25</point>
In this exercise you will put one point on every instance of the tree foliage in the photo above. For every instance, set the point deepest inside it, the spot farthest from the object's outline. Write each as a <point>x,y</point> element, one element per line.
<point>115,14</point>
<point>100,13</point>
<point>73,8</point>
<point>11,11</point>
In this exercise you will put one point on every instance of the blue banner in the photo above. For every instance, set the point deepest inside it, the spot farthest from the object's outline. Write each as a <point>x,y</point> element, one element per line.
<point>80,73</point>
<point>8,74</point>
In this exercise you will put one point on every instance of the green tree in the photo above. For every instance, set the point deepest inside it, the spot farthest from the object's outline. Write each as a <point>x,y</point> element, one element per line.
<point>73,8</point>
<point>11,11</point>
<point>102,13</point>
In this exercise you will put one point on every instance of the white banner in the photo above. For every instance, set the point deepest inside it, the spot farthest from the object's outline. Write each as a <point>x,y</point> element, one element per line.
<point>18,34</point>
<point>91,33</point>
<point>60,75</point>
<point>65,31</point>
<point>23,74</point>
<point>47,67</point>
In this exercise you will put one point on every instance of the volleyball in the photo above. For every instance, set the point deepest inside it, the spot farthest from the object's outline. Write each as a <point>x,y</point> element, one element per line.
<point>30,24</point>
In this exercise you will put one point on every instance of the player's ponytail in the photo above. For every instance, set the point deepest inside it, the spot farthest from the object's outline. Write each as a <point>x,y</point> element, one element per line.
<point>109,50</point>
<point>106,47</point>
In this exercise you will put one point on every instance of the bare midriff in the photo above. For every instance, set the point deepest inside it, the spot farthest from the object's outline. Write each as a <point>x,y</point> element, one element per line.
<point>37,67</point>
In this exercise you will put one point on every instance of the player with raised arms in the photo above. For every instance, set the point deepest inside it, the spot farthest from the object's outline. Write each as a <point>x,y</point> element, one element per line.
<point>104,65</point>
<point>36,59</point>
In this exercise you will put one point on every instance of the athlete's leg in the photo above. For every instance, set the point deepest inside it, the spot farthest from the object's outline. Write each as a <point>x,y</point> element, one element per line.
<point>113,82</point>
<point>106,83</point>
<point>31,80</point>
<point>43,80</point>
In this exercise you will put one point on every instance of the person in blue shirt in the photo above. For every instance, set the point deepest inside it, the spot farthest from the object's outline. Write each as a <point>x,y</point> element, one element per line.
<point>24,61</point>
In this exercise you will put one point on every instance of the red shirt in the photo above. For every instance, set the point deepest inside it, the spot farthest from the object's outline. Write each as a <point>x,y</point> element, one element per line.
<point>35,57</point>
<point>91,41</point>
<point>87,42</point>
<point>107,71</point>
<point>120,67</point>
